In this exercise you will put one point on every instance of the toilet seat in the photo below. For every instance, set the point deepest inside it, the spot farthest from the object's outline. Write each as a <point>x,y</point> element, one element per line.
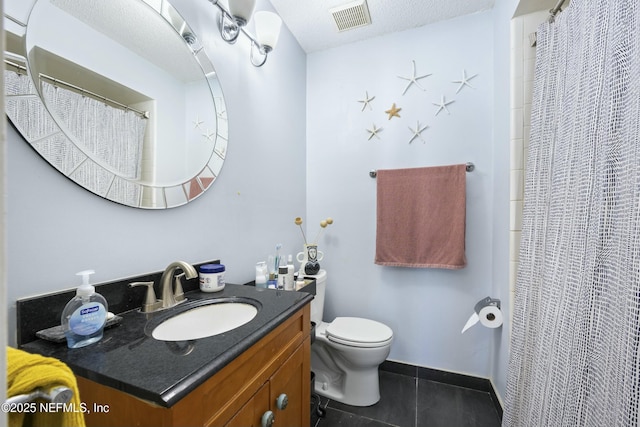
<point>358,332</point>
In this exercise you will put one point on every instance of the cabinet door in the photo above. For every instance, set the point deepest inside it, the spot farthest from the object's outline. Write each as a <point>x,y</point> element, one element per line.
<point>250,415</point>
<point>289,381</point>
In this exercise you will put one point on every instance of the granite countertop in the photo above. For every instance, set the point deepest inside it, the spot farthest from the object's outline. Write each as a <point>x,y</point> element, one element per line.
<point>129,359</point>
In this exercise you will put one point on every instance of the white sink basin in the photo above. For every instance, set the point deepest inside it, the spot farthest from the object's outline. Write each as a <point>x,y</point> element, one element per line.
<point>205,321</point>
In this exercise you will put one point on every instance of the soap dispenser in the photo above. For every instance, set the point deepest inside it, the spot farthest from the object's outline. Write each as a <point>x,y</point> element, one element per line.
<point>83,317</point>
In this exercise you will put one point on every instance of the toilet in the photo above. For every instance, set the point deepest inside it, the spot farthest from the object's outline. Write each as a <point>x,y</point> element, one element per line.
<point>346,353</point>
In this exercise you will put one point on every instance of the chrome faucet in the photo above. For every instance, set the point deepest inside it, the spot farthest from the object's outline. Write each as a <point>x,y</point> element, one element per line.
<point>166,281</point>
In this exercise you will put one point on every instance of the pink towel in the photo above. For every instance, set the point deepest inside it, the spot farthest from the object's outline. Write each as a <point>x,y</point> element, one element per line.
<point>421,217</point>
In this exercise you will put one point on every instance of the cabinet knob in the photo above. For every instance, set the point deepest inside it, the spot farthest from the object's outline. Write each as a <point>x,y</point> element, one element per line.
<point>268,419</point>
<point>282,401</point>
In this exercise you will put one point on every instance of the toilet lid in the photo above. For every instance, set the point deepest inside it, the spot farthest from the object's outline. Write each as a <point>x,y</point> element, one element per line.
<point>359,332</point>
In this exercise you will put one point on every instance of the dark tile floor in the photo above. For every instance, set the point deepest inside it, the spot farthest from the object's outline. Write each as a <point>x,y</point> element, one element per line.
<point>408,401</point>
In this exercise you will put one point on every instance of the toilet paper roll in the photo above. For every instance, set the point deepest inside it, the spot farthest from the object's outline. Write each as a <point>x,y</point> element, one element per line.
<point>490,316</point>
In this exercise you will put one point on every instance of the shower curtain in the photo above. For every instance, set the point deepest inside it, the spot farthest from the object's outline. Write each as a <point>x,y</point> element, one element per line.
<point>111,136</point>
<point>575,358</point>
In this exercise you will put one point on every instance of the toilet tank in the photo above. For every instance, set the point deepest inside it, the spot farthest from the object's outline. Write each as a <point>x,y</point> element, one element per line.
<point>317,304</point>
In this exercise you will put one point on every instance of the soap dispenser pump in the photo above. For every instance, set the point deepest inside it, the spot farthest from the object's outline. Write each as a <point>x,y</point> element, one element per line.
<point>83,317</point>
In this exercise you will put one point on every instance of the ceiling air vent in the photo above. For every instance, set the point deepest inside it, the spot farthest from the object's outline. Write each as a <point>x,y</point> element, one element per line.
<point>351,15</point>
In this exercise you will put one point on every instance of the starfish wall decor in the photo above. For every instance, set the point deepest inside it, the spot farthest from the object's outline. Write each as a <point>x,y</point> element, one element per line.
<point>374,132</point>
<point>417,132</point>
<point>442,105</point>
<point>464,81</point>
<point>393,111</point>
<point>209,135</point>
<point>197,123</point>
<point>206,132</point>
<point>366,102</point>
<point>413,80</point>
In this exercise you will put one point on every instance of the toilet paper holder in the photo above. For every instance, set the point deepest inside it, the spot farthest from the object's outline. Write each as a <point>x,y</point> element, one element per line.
<point>475,317</point>
<point>485,302</point>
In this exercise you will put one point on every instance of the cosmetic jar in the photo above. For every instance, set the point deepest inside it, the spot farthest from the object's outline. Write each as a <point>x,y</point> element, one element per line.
<point>212,277</point>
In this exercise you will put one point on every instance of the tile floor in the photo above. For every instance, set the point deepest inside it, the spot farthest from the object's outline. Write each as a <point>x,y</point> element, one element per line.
<point>414,401</point>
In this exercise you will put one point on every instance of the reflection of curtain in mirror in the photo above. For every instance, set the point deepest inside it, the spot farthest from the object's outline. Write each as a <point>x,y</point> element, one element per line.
<point>23,104</point>
<point>111,136</point>
<point>28,114</point>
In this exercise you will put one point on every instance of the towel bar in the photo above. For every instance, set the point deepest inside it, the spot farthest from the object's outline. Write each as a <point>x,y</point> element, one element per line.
<point>470,167</point>
<point>59,394</point>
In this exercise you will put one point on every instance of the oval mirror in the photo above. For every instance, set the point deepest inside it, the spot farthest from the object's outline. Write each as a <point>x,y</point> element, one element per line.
<point>117,95</point>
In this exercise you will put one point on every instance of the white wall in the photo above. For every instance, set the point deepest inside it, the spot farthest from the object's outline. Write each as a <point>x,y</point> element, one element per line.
<point>426,308</point>
<point>55,228</point>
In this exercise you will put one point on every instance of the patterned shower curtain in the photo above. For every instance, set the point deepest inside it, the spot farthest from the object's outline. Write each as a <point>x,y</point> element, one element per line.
<point>575,346</point>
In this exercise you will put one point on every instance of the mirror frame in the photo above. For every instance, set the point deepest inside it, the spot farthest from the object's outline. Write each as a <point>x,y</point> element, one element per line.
<point>148,196</point>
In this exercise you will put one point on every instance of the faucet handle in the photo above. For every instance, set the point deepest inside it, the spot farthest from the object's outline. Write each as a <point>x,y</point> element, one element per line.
<point>150,302</point>
<point>178,292</point>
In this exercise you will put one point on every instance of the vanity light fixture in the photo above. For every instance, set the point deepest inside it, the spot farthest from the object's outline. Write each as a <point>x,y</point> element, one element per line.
<point>234,20</point>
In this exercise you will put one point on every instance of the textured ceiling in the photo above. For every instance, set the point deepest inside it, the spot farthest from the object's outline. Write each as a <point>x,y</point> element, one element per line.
<point>313,26</point>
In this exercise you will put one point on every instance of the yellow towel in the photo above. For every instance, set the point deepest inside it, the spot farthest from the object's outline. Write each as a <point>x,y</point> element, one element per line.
<point>26,372</point>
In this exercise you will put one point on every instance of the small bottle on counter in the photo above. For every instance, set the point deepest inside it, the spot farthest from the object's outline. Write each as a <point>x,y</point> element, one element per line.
<point>262,274</point>
<point>282,277</point>
<point>290,283</point>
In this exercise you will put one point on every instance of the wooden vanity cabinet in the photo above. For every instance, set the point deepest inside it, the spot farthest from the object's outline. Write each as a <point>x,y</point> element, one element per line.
<point>237,396</point>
